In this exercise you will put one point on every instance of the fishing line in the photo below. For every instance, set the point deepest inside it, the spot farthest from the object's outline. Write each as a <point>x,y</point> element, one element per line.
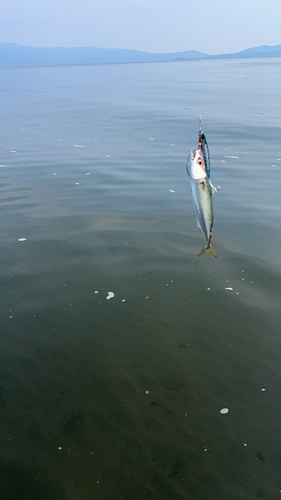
<point>200,85</point>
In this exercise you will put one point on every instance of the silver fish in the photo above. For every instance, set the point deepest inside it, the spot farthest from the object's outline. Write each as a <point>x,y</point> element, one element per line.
<point>202,192</point>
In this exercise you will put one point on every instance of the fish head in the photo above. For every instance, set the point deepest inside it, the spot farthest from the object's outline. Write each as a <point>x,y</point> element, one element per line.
<point>195,165</point>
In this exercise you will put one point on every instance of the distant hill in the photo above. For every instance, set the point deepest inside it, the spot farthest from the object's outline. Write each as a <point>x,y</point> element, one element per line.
<point>263,51</point>
<point>12,54</point>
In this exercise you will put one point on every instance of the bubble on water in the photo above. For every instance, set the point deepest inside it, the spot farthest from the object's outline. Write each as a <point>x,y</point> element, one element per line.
<point>171,191</point>
<point>110,295</point>
<point>229,288</point>
<point>21,239</point>
<point>223,411</point>
<point>78,146</point>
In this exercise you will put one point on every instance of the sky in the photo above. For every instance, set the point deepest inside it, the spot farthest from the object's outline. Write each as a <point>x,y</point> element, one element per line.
<point>210,26</point>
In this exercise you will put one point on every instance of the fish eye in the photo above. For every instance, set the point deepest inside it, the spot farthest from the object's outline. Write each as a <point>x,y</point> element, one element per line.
<point>200,162</point>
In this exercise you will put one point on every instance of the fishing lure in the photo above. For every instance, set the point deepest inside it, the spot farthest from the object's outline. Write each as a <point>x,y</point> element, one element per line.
<point>203,147</point>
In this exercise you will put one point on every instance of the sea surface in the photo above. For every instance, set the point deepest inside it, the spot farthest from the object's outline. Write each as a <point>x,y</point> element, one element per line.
<point>118,347</point>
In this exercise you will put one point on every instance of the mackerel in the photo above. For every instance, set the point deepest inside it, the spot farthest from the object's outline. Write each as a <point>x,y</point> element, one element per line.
<point>202,193</point>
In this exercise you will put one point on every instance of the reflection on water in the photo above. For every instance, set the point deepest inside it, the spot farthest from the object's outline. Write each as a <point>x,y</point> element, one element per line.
<point>121,398</point>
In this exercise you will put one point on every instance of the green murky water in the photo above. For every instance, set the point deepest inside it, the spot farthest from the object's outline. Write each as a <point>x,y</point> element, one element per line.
<point>121,397</point>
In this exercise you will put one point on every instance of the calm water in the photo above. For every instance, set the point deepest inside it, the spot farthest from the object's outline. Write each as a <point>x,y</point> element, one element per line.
<point>120,398</point>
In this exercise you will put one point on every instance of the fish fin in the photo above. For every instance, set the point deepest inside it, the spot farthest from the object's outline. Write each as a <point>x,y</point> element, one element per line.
<point>212,252</point>
<point>208,249</point>
<point>202,252</point>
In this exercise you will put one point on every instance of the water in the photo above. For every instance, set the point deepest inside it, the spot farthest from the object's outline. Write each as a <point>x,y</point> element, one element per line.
<point>121,398</point>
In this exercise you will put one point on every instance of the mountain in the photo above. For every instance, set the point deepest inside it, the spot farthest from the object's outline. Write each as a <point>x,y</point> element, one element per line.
<point>12,54</point>
<point>263,51</point>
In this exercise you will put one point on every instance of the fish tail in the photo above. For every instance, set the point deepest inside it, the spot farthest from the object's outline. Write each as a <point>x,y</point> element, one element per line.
<point>207,249</point>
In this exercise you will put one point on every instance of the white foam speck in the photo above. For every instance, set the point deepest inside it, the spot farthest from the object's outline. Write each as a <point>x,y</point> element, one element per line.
<point>96,291</point>
<point>223,161</point>
<point>273,165</point>
<point>151,139</point>
<point>146,392</point>
<point>21,239</point>
<point>88,173</point>
<point>237,293</point>
<point>13,152</point>
<point>245,444</point>
<point>232,157</point>
<point>55,173</point>
<point>110,295</point>
<point>77,183</point>
<point>171,191</point>
<point>223,411</point>
<point>60,448</point>
<point>123,300</point>
<point>77,146</point>
<point>107,156</point>
<point>229,288</point>
<point>3,165</point>
<point>208,288</point>
<point>279,159</point>
<point>263,390</point>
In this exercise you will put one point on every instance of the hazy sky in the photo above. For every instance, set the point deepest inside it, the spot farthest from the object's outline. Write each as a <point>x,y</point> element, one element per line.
<point>211,26</point>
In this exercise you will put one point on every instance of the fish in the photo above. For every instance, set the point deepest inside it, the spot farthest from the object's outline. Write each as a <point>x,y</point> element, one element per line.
<point>203,193</point>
